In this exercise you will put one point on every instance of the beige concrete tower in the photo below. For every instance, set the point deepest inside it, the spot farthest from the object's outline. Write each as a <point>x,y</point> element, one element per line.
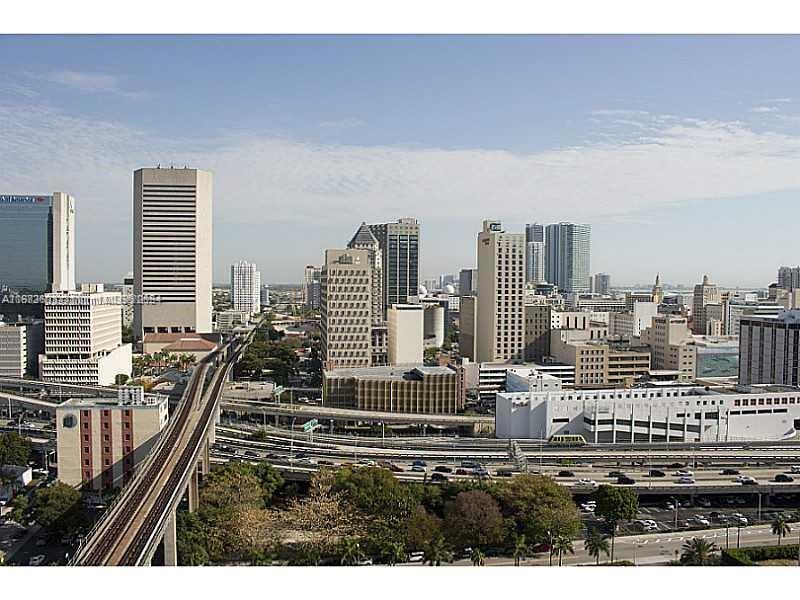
<point>500,325</point>
<point>172,255</point>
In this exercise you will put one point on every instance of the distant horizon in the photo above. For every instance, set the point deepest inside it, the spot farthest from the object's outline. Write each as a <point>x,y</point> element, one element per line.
<point>681,166</point>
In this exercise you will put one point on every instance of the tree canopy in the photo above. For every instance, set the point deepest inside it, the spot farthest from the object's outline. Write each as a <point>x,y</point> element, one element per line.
<point>14,449</point>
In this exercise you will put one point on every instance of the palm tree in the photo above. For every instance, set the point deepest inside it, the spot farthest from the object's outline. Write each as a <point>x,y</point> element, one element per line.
<point>780,528</point>
<point>351,552</point>
<point>595,544</point>
<point>436,552</point>
<point>520,549</point>
<point>562,544</point>
<point>394,553</point>
<point>477,557</point>
<point>698,552</point>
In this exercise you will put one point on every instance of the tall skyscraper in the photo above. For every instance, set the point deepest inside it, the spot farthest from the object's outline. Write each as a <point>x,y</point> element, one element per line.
<point>365,240</point>
<point>37,242</point>
<point>601,283</point>
<point>245,287</point>
<point>346,309</point>
<point>399,244</point>
<point>534,232</point>
<point>172,256</point>
<point>500,327</point>
<point>789,278</point>
<point>769,349</point>
<point>568,248</point>
<point>311,287</point>
<point>534,262</point>
<point>468,282</point>
<point>704,293</point>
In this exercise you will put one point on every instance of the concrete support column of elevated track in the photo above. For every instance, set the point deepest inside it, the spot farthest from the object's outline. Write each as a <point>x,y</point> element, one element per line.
<point>193,491</point>
<point>170,541</point>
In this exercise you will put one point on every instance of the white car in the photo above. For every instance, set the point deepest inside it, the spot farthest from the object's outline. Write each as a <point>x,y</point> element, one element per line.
<point>688,480</point>
<point>684,473</point>
<point>701,520</point>
<point>794,469</point>
<point>37,560</point>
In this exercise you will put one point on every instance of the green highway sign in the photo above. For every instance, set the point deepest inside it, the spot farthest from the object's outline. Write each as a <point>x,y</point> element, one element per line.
<point>309,425</point>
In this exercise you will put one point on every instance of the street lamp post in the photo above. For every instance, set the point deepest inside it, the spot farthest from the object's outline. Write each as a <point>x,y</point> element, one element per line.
<point>738,535</point>
<point>727,540</point>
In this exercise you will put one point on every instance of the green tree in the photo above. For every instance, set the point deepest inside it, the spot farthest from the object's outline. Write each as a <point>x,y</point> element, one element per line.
<point>376,492</point>
<point>270,478</point>
<point>595,544</point>
<point>538,507</point>
<point>521,549</point>
<point>477,557</point>
<point>58,508</point>
<point>421,528</point>
<point>392,552</point>
<point>14,449</point>
<point>121,379</point>
<point>437,552</point>
<point>615,505</point>
<point>194,540</point>
<point>20,507</point>
<point>698,552</point>
<point>351,553</point>
<point>561,545</point>
<point>232,487</point>
<point>473,519</point>
<point>780,528</point>
<point>429,356</point>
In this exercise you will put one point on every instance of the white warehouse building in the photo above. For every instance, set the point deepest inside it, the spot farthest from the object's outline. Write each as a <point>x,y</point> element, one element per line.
<point>645,415</point>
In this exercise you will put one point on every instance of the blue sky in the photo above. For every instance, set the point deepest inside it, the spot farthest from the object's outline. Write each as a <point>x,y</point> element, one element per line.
<point>682,152</point>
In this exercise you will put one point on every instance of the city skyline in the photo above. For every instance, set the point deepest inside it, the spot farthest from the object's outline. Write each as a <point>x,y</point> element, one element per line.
<point>535,130</point>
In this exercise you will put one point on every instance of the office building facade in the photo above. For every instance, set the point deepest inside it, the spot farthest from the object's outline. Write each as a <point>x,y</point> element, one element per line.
<point>311,287</point>
<point>769,349</point>
<point>346,309</point>
<point>172,254</point>
<point>704,293</point>
<point>399,243</point>
<point>365,240</point>
<point>601,283</point>
<point>83,337</point>
<point>468,282</point>
<point>37,243</point>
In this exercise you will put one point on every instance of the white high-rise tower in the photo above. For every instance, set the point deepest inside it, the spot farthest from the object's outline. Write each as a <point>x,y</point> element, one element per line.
<point>245,287</point>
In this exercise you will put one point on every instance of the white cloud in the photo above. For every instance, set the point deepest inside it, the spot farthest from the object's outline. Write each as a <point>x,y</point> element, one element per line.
<point>90,81</point>
<point>346,123</point>
<point>764,109</point>
<point>657,161</point>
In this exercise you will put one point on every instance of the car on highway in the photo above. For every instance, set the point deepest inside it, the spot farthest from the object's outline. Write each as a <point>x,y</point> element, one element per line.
<point>418,469</point>
<point>686,480</point>
<point>794,469</point>
<point>462,472</point>
<point>747,480</point>
<point>739,519</point>
<point>419,463</point>
<point>251,453</point>
<point>442,469</point>
<point>504,473</point>
<point>699,520</point>
<point>625,480</point>
<point>395,468</point>
<point>325,463</point>
<point>656,473</point>
<point>677,465</point>
<point>783,478</point>
<point>684,473</point>
<point>729,472</point>
<point>615,474</point>
<point>366,462</point>
<point>439,477</point>
<point>37,560</point>
<point>469,464</point>
<point>566,474</point>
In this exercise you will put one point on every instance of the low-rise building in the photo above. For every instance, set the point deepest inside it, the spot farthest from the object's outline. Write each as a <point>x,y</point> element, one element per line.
<point>405,331</point>
<point>422,390</point>
<point>658,413</point>
<point>21,342</point>
<point>101,440</point>
<point>671,345</point>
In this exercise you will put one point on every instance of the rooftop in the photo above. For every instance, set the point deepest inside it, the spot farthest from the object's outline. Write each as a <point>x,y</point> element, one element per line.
<point>399,372</point>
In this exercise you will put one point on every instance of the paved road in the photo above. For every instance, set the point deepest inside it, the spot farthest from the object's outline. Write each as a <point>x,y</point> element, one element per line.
<point>653,549</point>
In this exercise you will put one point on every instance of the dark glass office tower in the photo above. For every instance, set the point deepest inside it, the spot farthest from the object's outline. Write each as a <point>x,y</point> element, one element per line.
<point>399,243</point>
<point>26,243</point>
